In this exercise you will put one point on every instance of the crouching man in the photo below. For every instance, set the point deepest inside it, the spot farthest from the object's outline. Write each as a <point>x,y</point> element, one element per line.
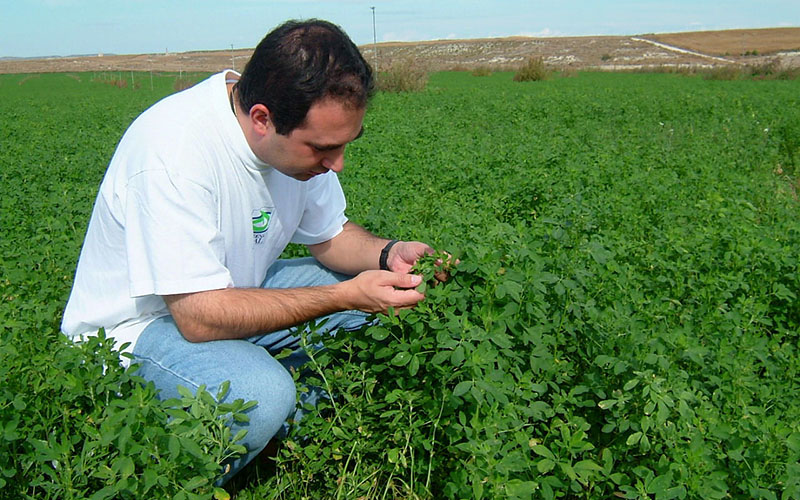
<point>204,192</point>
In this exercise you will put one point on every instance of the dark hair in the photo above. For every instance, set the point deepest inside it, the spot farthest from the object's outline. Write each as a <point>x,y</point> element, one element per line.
<point>299,63</point>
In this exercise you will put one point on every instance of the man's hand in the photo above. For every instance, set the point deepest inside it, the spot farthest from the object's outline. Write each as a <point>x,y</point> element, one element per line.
<point>377,291</point>
<point>409,252</point>
<point>404,254</point>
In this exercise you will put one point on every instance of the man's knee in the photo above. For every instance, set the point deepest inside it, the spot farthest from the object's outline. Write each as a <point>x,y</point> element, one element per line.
<point>276,399</point>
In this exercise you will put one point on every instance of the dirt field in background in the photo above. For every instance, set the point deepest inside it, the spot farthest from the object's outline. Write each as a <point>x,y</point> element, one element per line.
<point>600,52</point>
<point>735,42</point>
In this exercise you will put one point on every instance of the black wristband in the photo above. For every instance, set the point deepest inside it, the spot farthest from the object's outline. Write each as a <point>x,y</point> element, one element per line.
<point>384,266</point>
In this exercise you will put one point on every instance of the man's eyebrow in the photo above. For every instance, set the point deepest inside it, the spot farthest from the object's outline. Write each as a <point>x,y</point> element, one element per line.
<point>331,147</point>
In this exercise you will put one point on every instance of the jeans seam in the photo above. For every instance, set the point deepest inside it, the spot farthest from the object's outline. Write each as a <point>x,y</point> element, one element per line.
<point>189,383</point>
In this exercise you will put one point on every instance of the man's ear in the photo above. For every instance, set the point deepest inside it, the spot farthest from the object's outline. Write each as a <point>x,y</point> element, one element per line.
<point>261,119</point>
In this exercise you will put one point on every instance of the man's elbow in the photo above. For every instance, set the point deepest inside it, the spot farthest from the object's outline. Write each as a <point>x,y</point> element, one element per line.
<point>194,332</point>
<point>184,309</point>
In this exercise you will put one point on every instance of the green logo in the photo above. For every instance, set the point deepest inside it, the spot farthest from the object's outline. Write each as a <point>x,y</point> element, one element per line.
<point>261,220</point>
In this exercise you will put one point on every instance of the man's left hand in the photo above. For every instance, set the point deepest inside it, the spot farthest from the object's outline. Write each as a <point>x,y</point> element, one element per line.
<point>404,254</point>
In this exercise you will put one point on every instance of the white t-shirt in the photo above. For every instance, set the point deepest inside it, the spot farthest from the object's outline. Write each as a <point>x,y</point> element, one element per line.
<point>185,206</point>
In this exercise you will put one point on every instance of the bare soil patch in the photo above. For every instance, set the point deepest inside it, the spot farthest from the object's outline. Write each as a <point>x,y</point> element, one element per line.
<point>202,61</point>
<point>735,42</point>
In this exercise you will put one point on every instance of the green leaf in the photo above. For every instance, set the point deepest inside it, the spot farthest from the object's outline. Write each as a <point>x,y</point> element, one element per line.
<point>521,489</point>
<point>439,357</point>
<point>185,392</point>
<point>457,357</point>
<point>568,470</point>
<point>793,442</point>
<point>587,465</point>
<point>192,447</point>
<point>384,352</point>
<point>285,353</point>
<point>378,333</point>
<point>603,360</point>
<point>174,447</point>
<point>543,451</point>
<point>125,466</point>
<point>462,388</point>
<point>104,493</point>
<point>401,358</point>
<point>195,482</point>
<point>545,465</point>
<point>221,494</point>
<point>606,404</point>
<point>150,478</point>
<point>658,485</point>
<point>630,384</point>
<point>240,434</point>
<point>413,367</point>
<point>223,390</point>
<point>633,438</point>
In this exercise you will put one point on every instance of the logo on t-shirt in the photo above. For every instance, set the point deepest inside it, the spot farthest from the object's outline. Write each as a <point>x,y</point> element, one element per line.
<point>261,219</point>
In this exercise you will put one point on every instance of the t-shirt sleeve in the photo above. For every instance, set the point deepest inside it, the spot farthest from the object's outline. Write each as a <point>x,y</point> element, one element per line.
<point>172,238</point>
<point>323,216</point>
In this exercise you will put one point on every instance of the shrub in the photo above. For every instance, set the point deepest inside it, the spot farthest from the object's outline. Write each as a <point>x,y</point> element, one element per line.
<point>405,75</point>
<point>773,69</point>
<point>533,70</point>
<point>788,74</point>
<point>766,69</point>
<point>723,73</point>
<point>482,71</point>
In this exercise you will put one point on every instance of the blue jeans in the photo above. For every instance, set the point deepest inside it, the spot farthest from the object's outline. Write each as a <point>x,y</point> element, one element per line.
<point>168,360</point>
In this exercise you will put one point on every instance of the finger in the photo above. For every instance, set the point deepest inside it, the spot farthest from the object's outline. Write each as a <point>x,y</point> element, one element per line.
<point>402,298</point>
<point>400,280</point>
<point>407,297</point>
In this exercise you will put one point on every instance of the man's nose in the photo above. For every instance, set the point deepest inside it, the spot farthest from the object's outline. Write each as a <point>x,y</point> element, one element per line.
<point>334,161</point>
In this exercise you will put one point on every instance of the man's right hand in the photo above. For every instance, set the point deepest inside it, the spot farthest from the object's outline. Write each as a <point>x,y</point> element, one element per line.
<point>377,291</point>
<point>241,312</point>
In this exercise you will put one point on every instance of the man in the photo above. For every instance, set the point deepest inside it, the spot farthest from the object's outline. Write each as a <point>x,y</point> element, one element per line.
<point>202,195</point>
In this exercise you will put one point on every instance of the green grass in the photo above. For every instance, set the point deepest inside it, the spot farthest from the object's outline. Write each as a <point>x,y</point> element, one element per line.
<point>625,318</point>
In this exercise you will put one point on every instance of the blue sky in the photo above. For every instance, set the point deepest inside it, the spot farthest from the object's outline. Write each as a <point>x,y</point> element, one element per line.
<point>68,27</point>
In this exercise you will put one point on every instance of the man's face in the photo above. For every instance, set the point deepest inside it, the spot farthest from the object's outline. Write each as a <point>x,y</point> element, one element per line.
<point>317,145</point>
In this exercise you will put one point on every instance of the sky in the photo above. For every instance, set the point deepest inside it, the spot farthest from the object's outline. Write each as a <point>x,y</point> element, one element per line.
<point>37,28</point>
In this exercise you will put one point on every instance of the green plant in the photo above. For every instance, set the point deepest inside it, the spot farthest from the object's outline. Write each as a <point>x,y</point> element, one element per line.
<point>82,427</point>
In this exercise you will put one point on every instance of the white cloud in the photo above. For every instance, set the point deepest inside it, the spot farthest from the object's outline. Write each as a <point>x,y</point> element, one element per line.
<point>547,32</point>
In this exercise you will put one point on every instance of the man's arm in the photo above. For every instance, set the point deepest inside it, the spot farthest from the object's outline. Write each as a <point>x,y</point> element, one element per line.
<point>355,250</point>
<point>232,313</point>
<point>242,312</point>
